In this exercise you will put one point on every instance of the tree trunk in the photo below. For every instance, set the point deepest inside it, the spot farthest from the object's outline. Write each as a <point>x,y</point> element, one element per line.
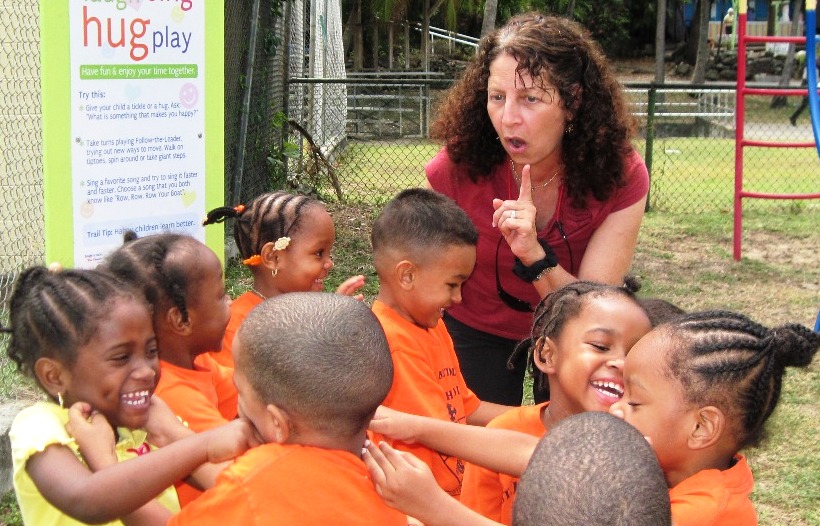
<point>699,75</point>
<point>571,10</point>
<point>406,45</point>
<point>390,30</point>
<point>780,101</point>
<point>425,38</point>
<point>772,19</point>
<point>660,42</point>
<point>691,54</point>
<point>375,43</point>
<point>488,23</point>
<point>358,38</point>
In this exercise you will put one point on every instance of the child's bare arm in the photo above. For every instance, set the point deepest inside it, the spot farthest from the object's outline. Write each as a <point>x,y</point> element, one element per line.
<point>74,489</point>
<point>486,411</point>
<point>500,450</point>
<point>407,484</point>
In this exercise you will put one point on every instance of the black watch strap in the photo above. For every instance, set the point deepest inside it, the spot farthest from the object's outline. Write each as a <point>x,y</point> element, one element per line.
<point>535,271</point>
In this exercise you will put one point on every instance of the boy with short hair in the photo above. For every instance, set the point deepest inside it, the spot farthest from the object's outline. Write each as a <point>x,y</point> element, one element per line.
<point>592,468</point>
<point>423,250</point>
<point>311,368</point>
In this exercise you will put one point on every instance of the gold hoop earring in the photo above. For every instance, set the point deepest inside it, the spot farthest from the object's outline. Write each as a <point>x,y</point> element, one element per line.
<point>274,272</point>
<point>60,400</point>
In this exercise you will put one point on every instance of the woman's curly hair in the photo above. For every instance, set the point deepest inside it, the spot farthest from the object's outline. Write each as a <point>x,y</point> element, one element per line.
<point>559,52</point>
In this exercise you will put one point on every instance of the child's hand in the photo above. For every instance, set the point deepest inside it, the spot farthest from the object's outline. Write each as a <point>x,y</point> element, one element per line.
<point>228,441</point>
<point>350,286</point>
<point>163,426</point>
<point>402,480</point>
<point>93,434</point>
<point>394,424</point>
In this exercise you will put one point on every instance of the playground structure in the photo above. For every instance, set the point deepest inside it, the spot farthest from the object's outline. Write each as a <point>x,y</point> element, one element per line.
<point>742,91</point>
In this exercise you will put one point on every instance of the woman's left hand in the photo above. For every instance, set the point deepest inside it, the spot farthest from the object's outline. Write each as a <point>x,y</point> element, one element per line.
<point>516,221</point>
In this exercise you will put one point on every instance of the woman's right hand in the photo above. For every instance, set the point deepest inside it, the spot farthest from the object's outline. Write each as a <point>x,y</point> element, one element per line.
<point>516,222</point>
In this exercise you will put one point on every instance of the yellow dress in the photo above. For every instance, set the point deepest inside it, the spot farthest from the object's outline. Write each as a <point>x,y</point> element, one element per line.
<point>43,424</point>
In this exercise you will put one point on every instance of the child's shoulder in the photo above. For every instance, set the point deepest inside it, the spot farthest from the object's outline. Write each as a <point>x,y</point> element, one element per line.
<point>526,419</point>
<point>37,427</point>
<point>290,464</point>
<point>715,496</point>
<point>40,414</point>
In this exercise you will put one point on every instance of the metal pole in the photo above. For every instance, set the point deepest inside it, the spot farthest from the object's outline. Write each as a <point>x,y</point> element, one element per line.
<point>236,192</point>
<point>650,139</point>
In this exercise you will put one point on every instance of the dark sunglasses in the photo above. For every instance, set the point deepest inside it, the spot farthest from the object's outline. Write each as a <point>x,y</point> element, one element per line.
<point>517,303</point>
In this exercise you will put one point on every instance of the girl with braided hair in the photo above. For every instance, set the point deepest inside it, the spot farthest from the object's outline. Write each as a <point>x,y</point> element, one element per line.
<point>182,281</point>
<point>286,240</point>
<point>86,340</point>
<point>579,339</point>
<point>701,388</point>
<point>580,336</point>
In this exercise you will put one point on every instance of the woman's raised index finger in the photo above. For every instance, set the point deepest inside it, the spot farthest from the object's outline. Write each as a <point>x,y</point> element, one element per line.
<point>525,192</point>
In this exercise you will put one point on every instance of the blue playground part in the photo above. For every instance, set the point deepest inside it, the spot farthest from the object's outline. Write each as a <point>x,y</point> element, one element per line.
<point>811,73</point>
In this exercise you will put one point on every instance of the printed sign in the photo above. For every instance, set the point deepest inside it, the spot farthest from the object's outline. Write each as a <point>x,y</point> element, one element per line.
<point>140,139</point>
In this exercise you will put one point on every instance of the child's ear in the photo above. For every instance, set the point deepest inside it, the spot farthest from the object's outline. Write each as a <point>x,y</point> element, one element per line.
<point>406,274</point>
<point>177,323</point>
<point>52,375</point>
<point>708,425</point>
<point>544,355</point>
<point>280,423</point>
<point>270,257</point>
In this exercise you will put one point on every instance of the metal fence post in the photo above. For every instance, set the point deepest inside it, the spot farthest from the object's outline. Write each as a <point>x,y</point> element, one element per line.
<point>650,139</point>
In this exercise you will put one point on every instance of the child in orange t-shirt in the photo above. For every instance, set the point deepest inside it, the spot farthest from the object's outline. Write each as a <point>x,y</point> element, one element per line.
<point>286,240</point>
<point>581,334</point>
<point>311,369</point>
<point>701,387</point>
<point>580,337</point>
<point>423,250</point>
<point>732,370</point>
<point>182,280</point>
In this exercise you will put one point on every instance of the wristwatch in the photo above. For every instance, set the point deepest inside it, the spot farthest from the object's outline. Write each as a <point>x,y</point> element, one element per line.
<point>538,269</point>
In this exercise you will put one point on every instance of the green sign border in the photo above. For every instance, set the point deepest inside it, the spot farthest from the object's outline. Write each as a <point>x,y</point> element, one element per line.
<point>55,82</point>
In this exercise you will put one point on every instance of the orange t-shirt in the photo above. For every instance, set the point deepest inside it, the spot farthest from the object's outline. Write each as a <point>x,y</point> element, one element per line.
<point>291,484</point>
<point>426,381</point>
<point>204,397</point>
<point>715,497</point>
<point>492,494</point>
<point>240,308</point>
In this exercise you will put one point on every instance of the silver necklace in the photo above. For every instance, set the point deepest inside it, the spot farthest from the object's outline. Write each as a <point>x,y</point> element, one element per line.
<point>258,293</point>
<point>533,188</point>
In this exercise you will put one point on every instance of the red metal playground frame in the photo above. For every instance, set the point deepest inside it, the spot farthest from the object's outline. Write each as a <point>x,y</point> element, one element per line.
<point>743,91</point>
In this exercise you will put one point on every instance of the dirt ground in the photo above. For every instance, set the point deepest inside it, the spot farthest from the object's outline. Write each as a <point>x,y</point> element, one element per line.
<point>777,281</point>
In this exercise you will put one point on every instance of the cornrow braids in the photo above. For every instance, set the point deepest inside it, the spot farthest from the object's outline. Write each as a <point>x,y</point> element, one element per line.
<point>725,359</point>
<point>152,263</point>
<point>53,314</point>
<point>558,308</point>
<point>267,218</point>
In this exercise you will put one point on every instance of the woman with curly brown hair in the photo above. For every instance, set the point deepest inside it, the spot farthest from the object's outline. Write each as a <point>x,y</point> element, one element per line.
<point>538,153</point>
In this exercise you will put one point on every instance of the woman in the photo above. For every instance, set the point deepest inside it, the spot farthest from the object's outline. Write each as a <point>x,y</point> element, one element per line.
<point>538,153</point>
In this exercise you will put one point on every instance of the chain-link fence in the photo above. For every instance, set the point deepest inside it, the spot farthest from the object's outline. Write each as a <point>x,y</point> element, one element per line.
<point>21,185</point>
<point>691,150</point>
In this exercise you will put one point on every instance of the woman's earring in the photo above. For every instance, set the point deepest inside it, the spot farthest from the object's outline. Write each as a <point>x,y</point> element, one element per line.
<point>274,272</point>
<point>569,129</point>
<point>60,400</point>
